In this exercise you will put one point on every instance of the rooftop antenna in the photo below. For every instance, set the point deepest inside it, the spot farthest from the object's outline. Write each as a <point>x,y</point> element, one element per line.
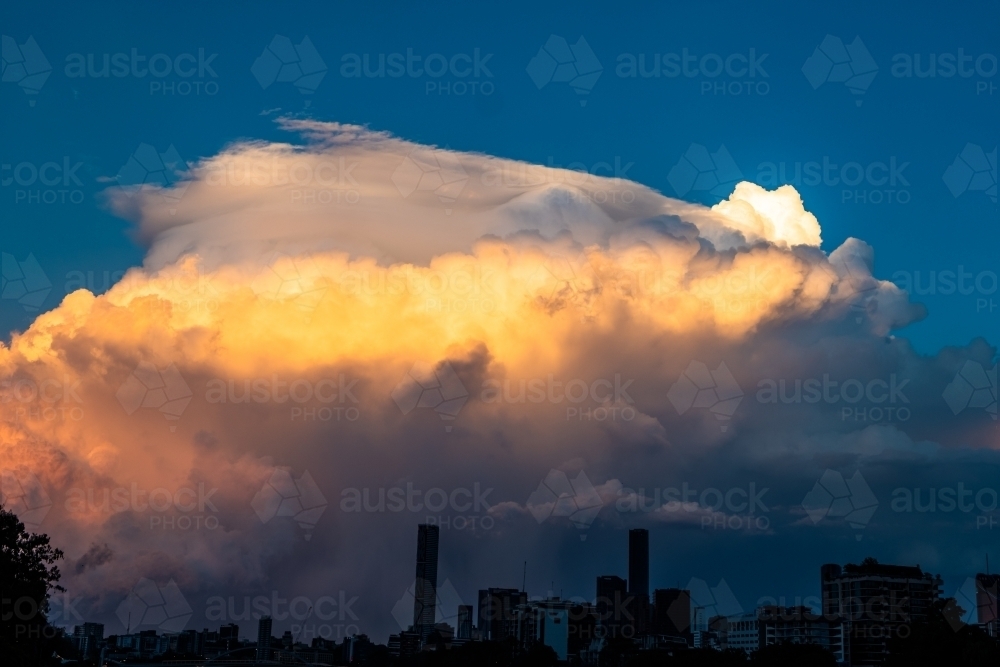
<point>524,574</point>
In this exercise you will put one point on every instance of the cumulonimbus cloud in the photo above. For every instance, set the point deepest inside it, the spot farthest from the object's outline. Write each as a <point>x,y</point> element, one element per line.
<point>331,268</point>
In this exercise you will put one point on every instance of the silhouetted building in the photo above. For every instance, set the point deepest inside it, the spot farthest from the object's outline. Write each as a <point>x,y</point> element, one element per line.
<point>405,645</point>
<point>615,610</point>
<point>496,620</point>
<point>425,589</point>
<point>638,578</point>
<point>190,642</point>
<point>464,621</point>
<point>441,637</point>
<point>770,624</point>
<point>264,638</point>
<point>564,626</point>
<point>739,631</point>
<point>355,648</point>
<point>672,613</point>
<point>87,639</point>
<point>638,562</point>
<point>986,602</point>
<point>229,637</point>
<point>876,603</point>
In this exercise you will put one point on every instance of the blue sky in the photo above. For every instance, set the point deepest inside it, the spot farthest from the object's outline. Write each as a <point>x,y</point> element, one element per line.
<point>644,125</point>
<point>911,148</point>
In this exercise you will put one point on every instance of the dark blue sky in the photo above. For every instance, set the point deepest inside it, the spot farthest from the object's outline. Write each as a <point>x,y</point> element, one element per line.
<point>916,224</point>
<point>915,152</point>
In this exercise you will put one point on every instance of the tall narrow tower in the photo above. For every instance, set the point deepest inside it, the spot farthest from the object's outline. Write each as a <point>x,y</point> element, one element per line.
<point>425,590</point>
<point>638,563</point>
<point>264,639</point>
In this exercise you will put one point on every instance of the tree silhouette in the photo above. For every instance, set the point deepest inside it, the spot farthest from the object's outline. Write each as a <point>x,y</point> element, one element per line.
<point>28,575</point>
<point>944,640</point>
<point>793,655</point>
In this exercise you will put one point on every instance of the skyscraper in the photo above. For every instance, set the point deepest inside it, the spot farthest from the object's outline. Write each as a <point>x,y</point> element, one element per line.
<point>464,621</point>
<point>264,638</point>
<point>638,563</point>
<point>986,601</point>
<point>425,589</point>
<point>229,636</point>
<point>874,601</point>
<point>614,612</point>
<point>638,578</point>
<point>672,612</point>
<point>497,620</point>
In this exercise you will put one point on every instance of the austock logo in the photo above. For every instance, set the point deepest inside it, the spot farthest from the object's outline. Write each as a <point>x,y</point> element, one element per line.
<point>558,62</point>
<point>466,506</point>
<point>182,74</point>
<point>435,171</point>
<point>834,497</point>
<point>973,387</point>
<point>149,604</point>
<point>973,170</point>
<point>284,496</point>
<point>50,182</point>
<point>708,602</point>
<point>437,387</point>
<point>446,599</point>
<point>286,278</point>
<point>733,74</point>
<point>699,387</point>
<point>163,172</point>
<point>700,171</point>
<point>457,74</point>
<point>22,494</point>
<point>46,399</point>
<point>184,508</point>
<point>23,281</point>
<point>559,496</point>
<point>834,62</point>
<point>148,387</point>
<point>283,62</point>
<point>25,65</point>
<point>302,610</point>
<point>851,273</point>
<point>874,400</point>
